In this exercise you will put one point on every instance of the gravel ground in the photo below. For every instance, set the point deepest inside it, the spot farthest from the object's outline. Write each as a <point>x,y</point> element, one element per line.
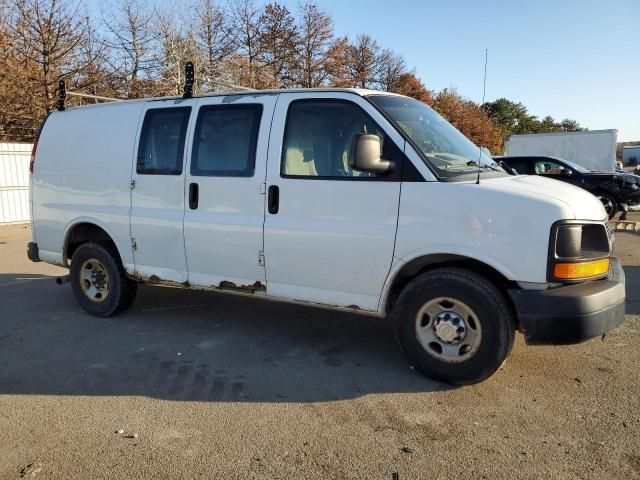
<point>202,385</point>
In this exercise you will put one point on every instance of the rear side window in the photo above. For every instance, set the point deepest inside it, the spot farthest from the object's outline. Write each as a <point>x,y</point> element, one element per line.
<point>225,140</point>
<point>161,147</point>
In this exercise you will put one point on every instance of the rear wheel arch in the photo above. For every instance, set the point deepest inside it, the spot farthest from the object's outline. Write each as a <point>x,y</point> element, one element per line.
<point>416,267</point>
<point>83,232</point>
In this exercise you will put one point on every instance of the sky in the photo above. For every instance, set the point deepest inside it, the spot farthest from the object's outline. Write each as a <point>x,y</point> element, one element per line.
<point>576,59</point>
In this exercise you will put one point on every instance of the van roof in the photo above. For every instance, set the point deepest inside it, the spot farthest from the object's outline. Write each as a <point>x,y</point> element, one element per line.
<point>358,91</point>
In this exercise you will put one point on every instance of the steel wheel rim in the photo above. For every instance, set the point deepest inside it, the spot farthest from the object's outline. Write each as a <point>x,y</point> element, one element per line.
<point>94,280</point>
<point>606,203</point>
<point>448,330</point>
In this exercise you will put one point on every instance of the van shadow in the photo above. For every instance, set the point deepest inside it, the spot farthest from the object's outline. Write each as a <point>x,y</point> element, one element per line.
<point>186,345</point>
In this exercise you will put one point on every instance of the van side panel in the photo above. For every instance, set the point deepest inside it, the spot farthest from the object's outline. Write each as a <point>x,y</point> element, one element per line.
<point>81,173</point>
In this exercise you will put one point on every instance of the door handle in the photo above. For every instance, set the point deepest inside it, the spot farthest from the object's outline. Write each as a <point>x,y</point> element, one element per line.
<point>273,201</point>
<point>193,196</point>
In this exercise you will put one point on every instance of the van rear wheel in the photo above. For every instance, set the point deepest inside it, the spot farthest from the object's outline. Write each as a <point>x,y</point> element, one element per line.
<point>454,326</point>
<point>99,282</point>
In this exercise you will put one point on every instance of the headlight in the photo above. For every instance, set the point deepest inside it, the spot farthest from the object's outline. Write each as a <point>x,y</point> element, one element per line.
<point>578,251</point>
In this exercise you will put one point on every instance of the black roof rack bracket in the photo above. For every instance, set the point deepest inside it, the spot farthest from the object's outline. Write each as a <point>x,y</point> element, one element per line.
<point>62,92</point>
<point>189,79</point>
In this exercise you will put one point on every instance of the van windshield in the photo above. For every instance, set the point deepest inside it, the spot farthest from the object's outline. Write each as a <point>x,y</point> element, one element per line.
<point>442,146</point>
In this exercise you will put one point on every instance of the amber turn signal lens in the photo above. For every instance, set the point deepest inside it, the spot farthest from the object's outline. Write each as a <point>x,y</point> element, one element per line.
<point>572,271</point>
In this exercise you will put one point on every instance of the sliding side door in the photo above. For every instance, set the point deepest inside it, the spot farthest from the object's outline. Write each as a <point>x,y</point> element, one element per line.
<point>224,217</point>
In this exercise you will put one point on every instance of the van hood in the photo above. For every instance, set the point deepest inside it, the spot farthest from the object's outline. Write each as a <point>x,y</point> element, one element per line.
<point>583,204</point>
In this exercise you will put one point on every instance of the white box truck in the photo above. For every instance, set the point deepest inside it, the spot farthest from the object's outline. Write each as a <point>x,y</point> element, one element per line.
<point>594,150</point>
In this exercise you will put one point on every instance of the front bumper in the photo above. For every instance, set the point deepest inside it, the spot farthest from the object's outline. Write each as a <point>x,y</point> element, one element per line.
<point>572,313</point>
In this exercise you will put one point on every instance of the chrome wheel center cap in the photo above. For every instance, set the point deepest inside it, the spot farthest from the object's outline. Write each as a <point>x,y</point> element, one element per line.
<point>449,328</point>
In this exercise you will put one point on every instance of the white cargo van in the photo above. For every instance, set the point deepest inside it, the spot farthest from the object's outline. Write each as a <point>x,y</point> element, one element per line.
<point>346,199</point>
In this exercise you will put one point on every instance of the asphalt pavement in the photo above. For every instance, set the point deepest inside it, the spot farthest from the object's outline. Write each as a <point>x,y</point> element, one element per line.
<point>203,385</point>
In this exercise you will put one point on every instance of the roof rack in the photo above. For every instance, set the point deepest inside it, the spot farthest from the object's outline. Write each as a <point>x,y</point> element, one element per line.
<point>231,85</point>
<point>190,79</point>
<point>62,96</point>
<point>187,92</point>
<point>95,97</point>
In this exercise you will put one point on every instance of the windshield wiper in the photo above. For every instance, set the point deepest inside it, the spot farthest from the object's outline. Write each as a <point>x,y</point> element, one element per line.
<point>473,163</point>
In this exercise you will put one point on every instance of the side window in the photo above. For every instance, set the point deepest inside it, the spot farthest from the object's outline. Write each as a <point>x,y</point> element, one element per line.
<point>319,137</point>
<point>161,147</point>
<point>225,140</point>
<point>520,166</point>
<point>549,167</point>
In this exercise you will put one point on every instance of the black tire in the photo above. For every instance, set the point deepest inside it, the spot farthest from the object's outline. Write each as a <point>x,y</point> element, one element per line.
<point>609,203</point>
<point>121,290</point>
<point>490,309</point>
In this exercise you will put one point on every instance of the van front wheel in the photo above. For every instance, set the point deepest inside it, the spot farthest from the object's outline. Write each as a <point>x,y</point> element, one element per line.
<point>454,325</point>
<point>99,281</point>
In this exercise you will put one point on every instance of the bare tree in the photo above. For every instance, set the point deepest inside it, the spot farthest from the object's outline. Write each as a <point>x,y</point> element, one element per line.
<point>176,47</point>
<point>4,17</point>
<point>365,62</point>
<point>94,77</point>
<point>130,37</point>
<point>18,115</point>
<point>214,38</point>
<point>46,34</point>
<point>247,20</point>
<point>278,45</point>
<point>318,47</point>
<point>392,67</point>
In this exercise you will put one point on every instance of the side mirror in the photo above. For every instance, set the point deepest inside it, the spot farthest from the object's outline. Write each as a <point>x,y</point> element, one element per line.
<point>365,155</point>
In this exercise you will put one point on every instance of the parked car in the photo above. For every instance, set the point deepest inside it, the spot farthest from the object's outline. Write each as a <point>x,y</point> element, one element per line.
<point>346,199</point>
<point>612,188</point>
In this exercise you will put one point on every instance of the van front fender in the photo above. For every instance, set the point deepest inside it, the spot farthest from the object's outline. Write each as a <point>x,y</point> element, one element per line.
<point>438,254</point>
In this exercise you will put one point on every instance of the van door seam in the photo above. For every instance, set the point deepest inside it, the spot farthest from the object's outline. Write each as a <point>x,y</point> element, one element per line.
<point>264,201</point>
<point>395,236</point>
<point>186,162</point>
<point>134,160</point>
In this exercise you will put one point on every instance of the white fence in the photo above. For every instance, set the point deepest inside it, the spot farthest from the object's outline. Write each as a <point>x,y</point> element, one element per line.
<point>14,182</point>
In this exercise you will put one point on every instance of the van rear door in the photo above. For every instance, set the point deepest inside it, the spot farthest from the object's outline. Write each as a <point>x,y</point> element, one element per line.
<point>224,216</point>
<point>157,195</point>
